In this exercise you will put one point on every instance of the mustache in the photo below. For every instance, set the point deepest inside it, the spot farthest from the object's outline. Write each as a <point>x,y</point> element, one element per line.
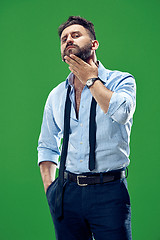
<point>70,44</point>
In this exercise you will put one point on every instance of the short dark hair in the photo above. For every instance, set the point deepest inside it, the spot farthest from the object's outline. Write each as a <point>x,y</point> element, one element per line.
<point>78,20</point>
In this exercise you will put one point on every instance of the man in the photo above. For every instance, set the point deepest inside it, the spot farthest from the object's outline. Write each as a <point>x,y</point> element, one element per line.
<point>92,110</point>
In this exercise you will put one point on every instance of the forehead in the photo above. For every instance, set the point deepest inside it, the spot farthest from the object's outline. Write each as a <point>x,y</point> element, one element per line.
<point>74,28</point>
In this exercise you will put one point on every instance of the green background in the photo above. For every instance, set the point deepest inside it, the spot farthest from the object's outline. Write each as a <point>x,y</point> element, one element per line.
<point>30,66</point>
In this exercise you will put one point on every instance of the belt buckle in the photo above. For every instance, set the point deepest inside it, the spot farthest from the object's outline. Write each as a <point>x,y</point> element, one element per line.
<point>81,184</point>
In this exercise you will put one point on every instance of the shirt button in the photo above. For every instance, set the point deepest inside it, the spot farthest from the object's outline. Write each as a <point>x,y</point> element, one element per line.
<point>81,143</point>
<point>81,124</point>
<point>81,160</point>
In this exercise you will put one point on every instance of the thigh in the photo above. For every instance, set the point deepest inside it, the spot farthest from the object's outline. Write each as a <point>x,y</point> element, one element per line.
<point>72,226</point>
<point>111,216</point>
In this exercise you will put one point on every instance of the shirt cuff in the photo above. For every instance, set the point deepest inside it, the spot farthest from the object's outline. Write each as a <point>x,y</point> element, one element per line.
<point>47,155</point>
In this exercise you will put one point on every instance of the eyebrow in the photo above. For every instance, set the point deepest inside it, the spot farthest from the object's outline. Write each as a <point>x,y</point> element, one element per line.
<point>71,33</point>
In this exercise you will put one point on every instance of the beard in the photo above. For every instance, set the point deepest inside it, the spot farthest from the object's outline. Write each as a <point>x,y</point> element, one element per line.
<point>84,53</point>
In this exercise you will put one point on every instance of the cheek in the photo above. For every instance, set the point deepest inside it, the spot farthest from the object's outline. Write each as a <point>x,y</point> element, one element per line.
<point>62,50</point>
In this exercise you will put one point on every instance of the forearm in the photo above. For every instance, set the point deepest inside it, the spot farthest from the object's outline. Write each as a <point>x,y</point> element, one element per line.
<point>101,94</point>
<point>48,172</point>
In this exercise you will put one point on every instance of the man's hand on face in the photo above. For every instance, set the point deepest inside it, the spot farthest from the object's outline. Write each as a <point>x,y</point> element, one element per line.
<point>82,70</point>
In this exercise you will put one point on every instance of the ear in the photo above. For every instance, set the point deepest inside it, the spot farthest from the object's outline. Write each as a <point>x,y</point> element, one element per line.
<point>95,44</point>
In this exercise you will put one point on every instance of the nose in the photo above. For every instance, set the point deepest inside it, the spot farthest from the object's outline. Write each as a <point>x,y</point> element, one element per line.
<point>69,39</point>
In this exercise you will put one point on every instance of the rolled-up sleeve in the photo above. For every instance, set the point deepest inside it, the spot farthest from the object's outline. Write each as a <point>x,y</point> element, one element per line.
<point>123,101</point>
<point>49,140</point>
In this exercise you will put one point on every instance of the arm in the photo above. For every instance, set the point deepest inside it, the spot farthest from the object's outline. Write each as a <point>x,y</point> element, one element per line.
<point>83,71</point>
<point>48,147</point>
<point>123,101</point>
<point>48,172</point>
<point>101,94</point>
<point>118,104</point>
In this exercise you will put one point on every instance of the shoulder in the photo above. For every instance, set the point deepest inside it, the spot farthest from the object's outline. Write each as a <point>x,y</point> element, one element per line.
<point>118,79</point>
<point>57,94</point>
<point>112,77</point>
<point>60,88</point>
<point>115,74</point>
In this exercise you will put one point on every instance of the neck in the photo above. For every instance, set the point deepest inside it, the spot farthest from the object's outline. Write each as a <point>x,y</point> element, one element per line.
<point>77,84</point>
<point>93,57</point>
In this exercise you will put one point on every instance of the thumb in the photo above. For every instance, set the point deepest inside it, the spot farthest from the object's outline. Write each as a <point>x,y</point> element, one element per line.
<point>91,62</point>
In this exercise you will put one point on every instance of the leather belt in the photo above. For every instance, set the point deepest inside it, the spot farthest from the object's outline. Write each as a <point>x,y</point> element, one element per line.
<point>94,178</point>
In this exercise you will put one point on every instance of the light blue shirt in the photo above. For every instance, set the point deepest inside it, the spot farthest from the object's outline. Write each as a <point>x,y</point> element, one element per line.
<point>113,128</point>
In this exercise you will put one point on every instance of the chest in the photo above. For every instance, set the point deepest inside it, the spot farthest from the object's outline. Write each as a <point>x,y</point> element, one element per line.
<point>78,98</point>
<point>78,88</point>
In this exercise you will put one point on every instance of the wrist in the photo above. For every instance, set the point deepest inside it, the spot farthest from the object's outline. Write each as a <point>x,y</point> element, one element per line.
<point>46,185</point>
<point>91,81</point>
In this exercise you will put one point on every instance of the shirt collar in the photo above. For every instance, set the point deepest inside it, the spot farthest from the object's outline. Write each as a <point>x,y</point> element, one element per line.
<point>103,74</point>
<point>69,80</point>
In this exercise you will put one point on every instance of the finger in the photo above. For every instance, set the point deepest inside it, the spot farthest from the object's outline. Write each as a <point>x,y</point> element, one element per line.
<point>73,70</point>
<point>70,60</point>
<point>66,61</point>
<point>77,59</point>
<point>73,66</point>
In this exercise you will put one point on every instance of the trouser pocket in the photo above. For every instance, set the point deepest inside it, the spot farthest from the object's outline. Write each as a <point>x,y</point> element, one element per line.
<point>51,193</point>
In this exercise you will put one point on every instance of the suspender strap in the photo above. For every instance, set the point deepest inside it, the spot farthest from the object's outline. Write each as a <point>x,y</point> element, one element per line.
<point>59,190</point>
<point>92,134</point>
<point>92,143</point>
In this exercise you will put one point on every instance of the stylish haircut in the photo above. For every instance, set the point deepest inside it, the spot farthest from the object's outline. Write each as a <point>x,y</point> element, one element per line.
<point>81,21</point>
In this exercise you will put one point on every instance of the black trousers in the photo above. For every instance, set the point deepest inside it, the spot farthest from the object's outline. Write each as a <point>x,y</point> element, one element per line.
<point>101,211</point>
